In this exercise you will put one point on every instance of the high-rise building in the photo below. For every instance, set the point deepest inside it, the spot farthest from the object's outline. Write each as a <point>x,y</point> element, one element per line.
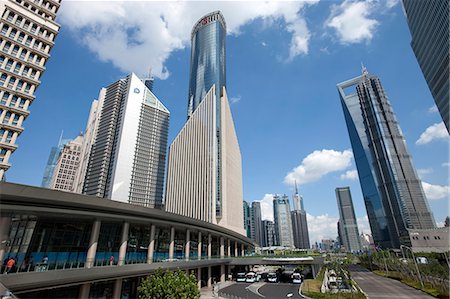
<point>247,219</point>
<point>283,223</point>
<point>299,223</point>
<point>67,166</point>
<point>128,155</point>
<point>349,234</point>
<point>27,33</point>
<point>447,222</point>
<point>392,192</point>
<point>256,229</point>
<point>89,137</point>
<point>428,22</point>
<point>204,175</point>
<point>51,162</point>
<point>269,234</point>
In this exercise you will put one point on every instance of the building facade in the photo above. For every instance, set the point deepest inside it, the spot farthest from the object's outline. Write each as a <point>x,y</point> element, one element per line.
<point>269,235</point>
<point>430,240</point>
<point>299,223</point>
<point>256,228</point>
<point>127,158</point>
<point>283,223</point>
<point>247,219</point>
<point>392,192</point>
<point>67,166</point>
<point>349,233</point>
<point>428,23</point>
<point>27,33</point>
<point>51,162</point>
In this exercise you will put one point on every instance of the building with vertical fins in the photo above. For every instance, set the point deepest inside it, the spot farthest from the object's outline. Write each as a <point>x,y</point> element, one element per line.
<point>269,234</point>
<point>27,34</point>
<point>299,223</point>
<point>204,175</point>
<point>247,219</point>
<point>127,158</point>
<point>51,162</point>
<point>256,228</point>
<point>428,23</point>
<point>392,192</point>
<point>283,222</point>
<point>67,166</point>
<point>348,228</point>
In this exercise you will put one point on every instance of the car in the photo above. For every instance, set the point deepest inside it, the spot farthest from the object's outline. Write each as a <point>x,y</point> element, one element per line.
<point>272,277</point>
<point>296,278</point>
<point>170,260</point>
<point>240,277</point>
<point>251,277</point>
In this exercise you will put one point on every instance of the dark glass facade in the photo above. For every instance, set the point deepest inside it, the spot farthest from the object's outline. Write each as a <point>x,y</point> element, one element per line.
<point>392,192</point>
<point>428,22</point>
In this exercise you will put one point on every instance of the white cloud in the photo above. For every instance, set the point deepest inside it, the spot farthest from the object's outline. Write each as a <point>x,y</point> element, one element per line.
<point>351,21</point>
<point>363,225</point>
<point>434,192</point>
<point>391,3</point>
<point>234,100</point>
<point>136,35</point>
<point>264,44</point>
<point>446,164</point>
<point>318,164</point>
<point>433,132</point>
<point>433,109</point>
<point>322,227</point>
<point>267,207</point>
<point>422,172</point>
<point>350,175</point>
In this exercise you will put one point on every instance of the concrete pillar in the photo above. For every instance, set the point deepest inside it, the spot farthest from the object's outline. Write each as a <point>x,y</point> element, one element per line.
<point>209,245</point>
<point>209,281</point>
<point>123,243</point>
<point>117,291</point>
<point>228,248</point>
<point>5,222</point>
<point>93,241</point>
<point>235,248</point>
<point>84,291</point>
<point>199,246</point>
<point>222,273</point>
<point>172,242</point>
<point>222,247</point>
<point>242,250</point>
<point>199,278</point>
<point>151,245</point>
<point>187,246</point>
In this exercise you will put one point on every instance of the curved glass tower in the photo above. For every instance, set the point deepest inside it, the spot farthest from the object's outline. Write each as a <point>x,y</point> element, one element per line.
<point>207,58</point>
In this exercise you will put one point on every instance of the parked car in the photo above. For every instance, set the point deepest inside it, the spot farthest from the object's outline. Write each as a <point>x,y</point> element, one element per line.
<point>272,277</point>
<point>240,277</point>
<point>297,278</point>
<point>251,277</point>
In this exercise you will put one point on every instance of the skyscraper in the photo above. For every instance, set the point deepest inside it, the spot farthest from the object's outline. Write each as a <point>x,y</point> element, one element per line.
<point>392,192</point>
<point>428,22</point>
<point>51,162</point>
<point>283,223</point>
<point>67,165</point>
<point>247,219</point>
<point>204,175</point>
<point>299,223</point>
<point>349,234</point>
<point>127,158</point>
<point>256,229</point>
<point>269,234</point>
<point>27,34</point>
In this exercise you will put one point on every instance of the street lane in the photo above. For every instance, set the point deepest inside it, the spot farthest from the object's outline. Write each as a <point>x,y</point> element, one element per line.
<point>239,289</point>
<point>267,290</point>
<point>376,286</point>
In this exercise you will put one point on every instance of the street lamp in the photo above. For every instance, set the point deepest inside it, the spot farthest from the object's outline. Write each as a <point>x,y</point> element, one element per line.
<point>415,262</point>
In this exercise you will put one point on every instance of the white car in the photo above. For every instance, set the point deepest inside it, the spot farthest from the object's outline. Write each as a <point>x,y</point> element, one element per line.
<point>240,277</point>
<point>296,278</point>
<point>272,277</point>
<point>251,277</point>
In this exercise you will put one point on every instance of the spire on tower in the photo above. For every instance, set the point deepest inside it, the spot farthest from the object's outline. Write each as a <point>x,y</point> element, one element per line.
<point>364,69</point>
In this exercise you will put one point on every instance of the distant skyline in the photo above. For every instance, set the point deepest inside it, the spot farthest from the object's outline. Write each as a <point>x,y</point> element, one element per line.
<point>284,60</point>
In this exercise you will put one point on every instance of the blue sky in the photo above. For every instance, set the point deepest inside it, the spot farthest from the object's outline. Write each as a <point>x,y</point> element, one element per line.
<point>284,60</point>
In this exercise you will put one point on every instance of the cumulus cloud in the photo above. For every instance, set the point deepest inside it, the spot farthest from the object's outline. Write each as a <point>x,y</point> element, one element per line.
<point>136,35</point>
<point>433,109</point>
<point>446,164</point>
<point>267,207</point>
<point>234,100</point>
<point>351,21</point>
<point>318,164</point>
<point>422,172</point>
<point>363,225</point>
<point>321,227</point>
<point>350,175</point>
<point>435,192</point>
<point>433,132</point>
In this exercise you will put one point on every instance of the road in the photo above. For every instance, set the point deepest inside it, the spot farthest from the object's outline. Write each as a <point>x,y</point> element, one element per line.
<point>265,290</point>
<point>376,286</point>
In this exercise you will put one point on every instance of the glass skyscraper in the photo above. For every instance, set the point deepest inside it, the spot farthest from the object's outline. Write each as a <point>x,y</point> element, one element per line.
<point>392,192</point>
<point>283,222</point>
<point>348,228</point>
<point>52,161</point>
<point>428,21</point>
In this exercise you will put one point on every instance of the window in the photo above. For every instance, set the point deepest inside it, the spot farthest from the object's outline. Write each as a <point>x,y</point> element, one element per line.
<point>25,71</point>
<point>2,132</point>
<point>9,137</point>
<point>31,57</point>
<point>4,29</point>
<point>17,68</point>
<point>11,82</point>
<point>13,33</point>
<point>23,54</point>
<point>19,85</point>
<point>10,16</point>
<point>26,25</point>
<point>13,101</point>
<point>6,47</point>
<point>33,74</point>
<point>15,119</point>
<point>3,79</point>
<point>33,28</point>
<point>28,41</point>
<point>22,103</point>
<point>21,37</point>
<point>15,50</point>
<point>4,98</point>
<point>8,64</point>
<point>27,88</point>
<point>2,58</point>
<point>19,20</point>
<point>7,117</point>
<point>2,154</point>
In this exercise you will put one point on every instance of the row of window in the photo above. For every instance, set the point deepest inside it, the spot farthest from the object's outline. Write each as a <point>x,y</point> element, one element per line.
<point>28,25</point>
<point>426,237</point>
<point>36,10</point>
<point>10,118</point>
<point>25,40</point>
<point>15,101</point>
<point>7,134</point>
<point>31,57</point>
<point>21,85</point>
<point>18,68</point>
<point>3,152</point>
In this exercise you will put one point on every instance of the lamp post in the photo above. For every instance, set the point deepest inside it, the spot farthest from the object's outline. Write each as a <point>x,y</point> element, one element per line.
<point>415,262</point>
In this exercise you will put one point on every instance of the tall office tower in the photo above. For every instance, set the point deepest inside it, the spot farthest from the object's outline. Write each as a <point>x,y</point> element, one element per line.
<point>247,219</point>
<point>129,151</point>
<point>51,162</point>
<point>269,234</point>
<point>349,234</point>
<point>27,33</point>
<point>67,166</point>
<point>299,223</point>
<point>392,192</point>
<point>428,22</point>
<point>256,229</point>
<point>88,140</point>
<point>204,175</point>
<point>283,223</point>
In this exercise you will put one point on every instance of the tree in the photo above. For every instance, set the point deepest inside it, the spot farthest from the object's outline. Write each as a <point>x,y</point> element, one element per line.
<point>169,285</point>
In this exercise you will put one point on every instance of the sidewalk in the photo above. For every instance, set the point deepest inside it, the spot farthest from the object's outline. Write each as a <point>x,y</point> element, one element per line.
<point>206,293</point>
